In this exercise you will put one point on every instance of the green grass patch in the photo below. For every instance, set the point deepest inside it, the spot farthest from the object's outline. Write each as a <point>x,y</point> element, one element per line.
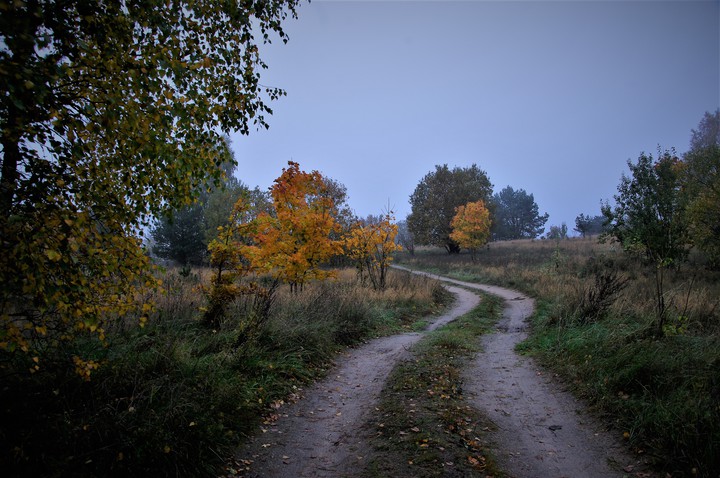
<point>596,307</point>
<point>424,426</point>
<point>664,394</point>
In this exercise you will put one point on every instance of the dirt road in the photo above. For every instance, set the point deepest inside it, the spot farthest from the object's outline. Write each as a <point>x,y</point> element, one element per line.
<point>541,430</point>
<point>322,434</point>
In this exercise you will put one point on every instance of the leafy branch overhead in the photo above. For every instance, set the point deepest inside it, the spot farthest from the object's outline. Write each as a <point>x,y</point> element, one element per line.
<point>112,113</point>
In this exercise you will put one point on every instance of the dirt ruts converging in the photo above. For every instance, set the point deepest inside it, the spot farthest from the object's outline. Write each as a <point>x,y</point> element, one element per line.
<point>541,430</point>
<point>320,436</point>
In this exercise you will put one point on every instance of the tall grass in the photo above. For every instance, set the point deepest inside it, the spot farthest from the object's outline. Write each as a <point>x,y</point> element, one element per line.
<point>174,398</point>
<point>593,325</point>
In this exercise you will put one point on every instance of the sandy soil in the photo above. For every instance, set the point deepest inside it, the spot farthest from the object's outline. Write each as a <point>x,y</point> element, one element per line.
<point>542,430</point>
<point>322,435</point>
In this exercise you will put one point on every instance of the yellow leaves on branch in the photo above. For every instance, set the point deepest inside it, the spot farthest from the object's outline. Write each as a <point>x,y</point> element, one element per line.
<point>65,276</point>
<point>370,246</point>
<point>293,243</point>
<point>471,226</point>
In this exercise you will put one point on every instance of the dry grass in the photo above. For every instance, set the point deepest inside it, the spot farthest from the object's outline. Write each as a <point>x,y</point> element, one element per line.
<point>596,307</point>
<point>175,397</point>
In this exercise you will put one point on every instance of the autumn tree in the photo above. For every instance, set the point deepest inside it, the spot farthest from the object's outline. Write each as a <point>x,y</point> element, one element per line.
<point>436,197</point>
<point>648,218</point>
<point>370,244</point>
<point>296,240</point>
<point>233,272</point>
<point>516,215</point>
<point>471,226</point>
<point>111,114</point>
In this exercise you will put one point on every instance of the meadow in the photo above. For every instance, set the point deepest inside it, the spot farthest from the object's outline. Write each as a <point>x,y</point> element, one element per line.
<point>593,326</point>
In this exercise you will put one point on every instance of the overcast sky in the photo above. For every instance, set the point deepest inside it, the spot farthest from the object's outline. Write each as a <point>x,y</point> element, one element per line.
<point>552,97</point>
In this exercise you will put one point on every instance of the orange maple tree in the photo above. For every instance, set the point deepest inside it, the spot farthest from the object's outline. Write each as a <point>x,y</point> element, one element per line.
<point>471,226</point>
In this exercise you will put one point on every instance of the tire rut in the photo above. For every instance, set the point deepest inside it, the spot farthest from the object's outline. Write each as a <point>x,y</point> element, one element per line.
<point>542,431</point>
<point>322,435</point>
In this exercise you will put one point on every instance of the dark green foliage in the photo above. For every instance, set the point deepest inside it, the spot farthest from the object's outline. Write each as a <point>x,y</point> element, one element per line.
<point>516,215</point>
<point>649,219</point>
<point>702,188</point>
<point>437,196</point>
<point>181,238</point>
<point>175,398</point>
<point>589,225</point>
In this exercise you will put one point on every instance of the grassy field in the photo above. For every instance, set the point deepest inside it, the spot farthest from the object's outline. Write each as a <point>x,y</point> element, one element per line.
<point>175,397</point>
<point>593,325</point>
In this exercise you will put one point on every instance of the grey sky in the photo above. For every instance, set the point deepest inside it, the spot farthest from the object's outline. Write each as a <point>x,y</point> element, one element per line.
<point>550,97</point>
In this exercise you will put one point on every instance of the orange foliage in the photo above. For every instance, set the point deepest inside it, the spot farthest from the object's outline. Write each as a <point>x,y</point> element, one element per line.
<point>371,246</point>
<point>471,226</point>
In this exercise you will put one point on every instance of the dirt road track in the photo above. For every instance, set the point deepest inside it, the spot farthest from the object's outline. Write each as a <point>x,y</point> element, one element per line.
<point>322,434</point>
<point>541,430</point>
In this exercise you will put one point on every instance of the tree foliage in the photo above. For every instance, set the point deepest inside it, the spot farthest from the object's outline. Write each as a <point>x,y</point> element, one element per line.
<point>405,238</point>
<point>370,245</point>
<point>471,226</point>
<point>648,218</point>
<point>293,242</point>
<point>436,197</point>
<point>707,134</point>
<point>588,225</point>
<point>558,232</point>
<point>111,114</point>
<point>181,237</point>
<point>516,215</point>
<point>702,186</point>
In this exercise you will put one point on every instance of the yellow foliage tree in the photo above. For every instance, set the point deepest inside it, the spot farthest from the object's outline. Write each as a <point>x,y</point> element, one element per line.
<point>294,242</point>
<point>371,247</point>
<point>111,114</point>
<point>471,226</point>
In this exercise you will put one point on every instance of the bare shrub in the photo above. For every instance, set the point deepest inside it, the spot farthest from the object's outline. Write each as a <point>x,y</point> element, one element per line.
<point>606,284</point>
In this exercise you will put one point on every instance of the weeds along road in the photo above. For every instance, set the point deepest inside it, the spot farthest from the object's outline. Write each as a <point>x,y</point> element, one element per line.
<point>541,430</point>
<point>322,435</point>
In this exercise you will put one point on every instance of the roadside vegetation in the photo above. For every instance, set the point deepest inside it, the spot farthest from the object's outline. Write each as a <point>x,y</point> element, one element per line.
<point>424,427</point>
<point>175,397</point>
<point>595,325</point>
